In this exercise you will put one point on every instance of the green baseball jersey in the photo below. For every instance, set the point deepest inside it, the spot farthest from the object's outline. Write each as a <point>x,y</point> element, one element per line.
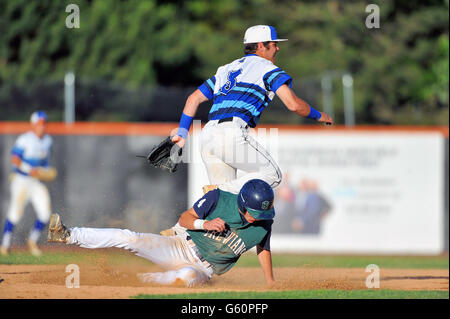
<point>222,250</point>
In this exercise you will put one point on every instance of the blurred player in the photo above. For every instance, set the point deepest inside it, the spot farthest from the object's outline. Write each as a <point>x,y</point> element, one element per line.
<point>30,160</point>
<point>220,227</point>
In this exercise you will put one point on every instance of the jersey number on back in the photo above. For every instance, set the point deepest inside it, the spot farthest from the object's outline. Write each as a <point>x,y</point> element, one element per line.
<point>201,202</point>
<point>232,75</point>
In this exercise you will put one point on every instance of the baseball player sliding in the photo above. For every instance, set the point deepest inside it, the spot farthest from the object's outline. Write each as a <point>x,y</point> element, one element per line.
<point>30,161</point>
<point>240,91</point>
<point>219,228</point>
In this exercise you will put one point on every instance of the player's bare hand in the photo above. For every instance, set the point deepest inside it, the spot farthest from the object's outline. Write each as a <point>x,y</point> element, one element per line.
<point>216,224</point>
<point>271,283</point>
<point>34,173</point>
<point>179,140</point>
<point>325,118</point>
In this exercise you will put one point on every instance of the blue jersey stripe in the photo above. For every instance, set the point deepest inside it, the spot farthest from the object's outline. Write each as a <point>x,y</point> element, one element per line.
<point>230,100</point>
<point>279,80</point>
<point>207,88</point>
<point>16,170</point>
<point>270,73</point>
<point>251,86</point>
<point>245,98</point>
<point>206,91</point>
<point>35,162</point>
<point>249,91</point>
<point>233,95</point>
<point>17,151</point>
<point>273,76</point>
<point>245,115</point>
<point>231,112</point>
<point>243,87</point>
<point>211,84</point>
<point>235,104</point>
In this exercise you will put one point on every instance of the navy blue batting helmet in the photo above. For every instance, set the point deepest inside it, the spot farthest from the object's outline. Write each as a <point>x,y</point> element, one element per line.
<point>256,197</point>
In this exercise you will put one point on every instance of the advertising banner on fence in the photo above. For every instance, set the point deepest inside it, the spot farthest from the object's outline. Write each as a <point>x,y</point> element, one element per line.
<point>364,192</point>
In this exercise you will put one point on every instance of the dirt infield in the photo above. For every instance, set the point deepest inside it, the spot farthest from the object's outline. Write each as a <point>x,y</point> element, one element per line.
<point>102,281</point>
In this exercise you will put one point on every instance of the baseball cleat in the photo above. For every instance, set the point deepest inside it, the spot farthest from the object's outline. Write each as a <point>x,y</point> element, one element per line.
<point>208,188</point>
<point>33,248</point>
<point>57,232</point>
<point>4,251</point>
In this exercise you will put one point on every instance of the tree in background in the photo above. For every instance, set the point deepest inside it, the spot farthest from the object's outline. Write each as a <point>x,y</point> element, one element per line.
<point>400,70</point>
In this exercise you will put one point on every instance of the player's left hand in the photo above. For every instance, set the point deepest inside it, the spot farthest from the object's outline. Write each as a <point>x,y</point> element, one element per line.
<point>179,140</point>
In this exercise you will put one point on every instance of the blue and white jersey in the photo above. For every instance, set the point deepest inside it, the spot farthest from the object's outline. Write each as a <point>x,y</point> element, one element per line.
<point>32,150</point>
<point>244,88</point>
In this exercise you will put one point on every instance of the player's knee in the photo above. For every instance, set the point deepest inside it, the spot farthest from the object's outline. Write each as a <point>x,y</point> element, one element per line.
<point>14,218</point>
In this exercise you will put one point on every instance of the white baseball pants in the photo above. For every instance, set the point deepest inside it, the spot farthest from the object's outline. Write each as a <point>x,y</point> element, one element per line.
<point>170,252</point>
<point>23,190</point>
<point>227,147</point>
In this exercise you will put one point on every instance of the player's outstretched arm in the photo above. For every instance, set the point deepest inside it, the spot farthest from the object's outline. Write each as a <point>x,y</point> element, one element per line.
<point>300,107</point>
<point>265,259</point>
<point>190,220</point>
<point>189,111</point>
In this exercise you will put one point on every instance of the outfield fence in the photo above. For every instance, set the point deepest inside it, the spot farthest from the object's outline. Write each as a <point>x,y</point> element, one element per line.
<point>379,189</point>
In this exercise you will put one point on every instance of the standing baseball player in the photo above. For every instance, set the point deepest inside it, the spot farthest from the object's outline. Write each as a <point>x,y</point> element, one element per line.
<point>240,91</point>
<point>30,161</point>
<point>220,227</point>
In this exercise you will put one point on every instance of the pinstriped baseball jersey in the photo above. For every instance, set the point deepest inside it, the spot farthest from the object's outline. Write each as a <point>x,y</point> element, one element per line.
<point>32,150</point>
<point>243,88</point>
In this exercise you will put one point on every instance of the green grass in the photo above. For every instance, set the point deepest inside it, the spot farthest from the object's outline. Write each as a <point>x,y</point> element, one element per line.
<point>24,258</point>
<point>117,256</point>
<point>288,260</point>
<point>309,294</point>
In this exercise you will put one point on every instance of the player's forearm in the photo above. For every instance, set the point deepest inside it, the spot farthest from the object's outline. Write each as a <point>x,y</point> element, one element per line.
<point>16,160</point>
<point>187,219</point>
<point>189,111</point>
<point>296,104</point>
<point>193,102</point>
<point>302,108</point>
<point>265,259</point>
<point>22,165</point>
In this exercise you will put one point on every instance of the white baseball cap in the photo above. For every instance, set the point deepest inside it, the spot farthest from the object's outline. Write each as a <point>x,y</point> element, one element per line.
<point>261,33</point>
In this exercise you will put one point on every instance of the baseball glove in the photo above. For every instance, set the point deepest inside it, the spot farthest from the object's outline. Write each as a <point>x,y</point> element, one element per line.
<point>166,155</point>
<point>46,174</point>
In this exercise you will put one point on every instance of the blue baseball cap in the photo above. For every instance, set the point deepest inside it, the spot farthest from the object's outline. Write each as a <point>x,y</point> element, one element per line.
<point>261,33</point>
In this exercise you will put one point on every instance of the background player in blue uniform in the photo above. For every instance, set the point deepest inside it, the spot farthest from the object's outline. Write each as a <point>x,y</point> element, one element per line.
<point>30,161</point>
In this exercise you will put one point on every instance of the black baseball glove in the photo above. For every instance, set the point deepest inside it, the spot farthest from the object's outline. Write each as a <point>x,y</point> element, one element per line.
<point>166,155</point>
